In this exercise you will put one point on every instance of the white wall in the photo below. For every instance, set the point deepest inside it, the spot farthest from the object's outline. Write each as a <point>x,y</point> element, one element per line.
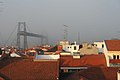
<point>116,53</point>
<point>47,56</point>
<point>99,46</point>
<point>118,75</point>
<point>105,51</point>
<point>70,48</point>
<point>64,42</point>
<point>65,53</point>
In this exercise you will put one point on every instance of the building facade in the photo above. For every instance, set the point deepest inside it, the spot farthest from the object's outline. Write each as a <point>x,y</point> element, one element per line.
<point>72,48</point>
<point>100,46</point>
<point>112,52</point>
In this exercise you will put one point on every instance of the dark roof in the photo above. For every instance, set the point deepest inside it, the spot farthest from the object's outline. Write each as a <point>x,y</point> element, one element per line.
<point>113,45</point>
<point>92,73</point>
<point>53,49</point>
<point>87,60</point>
<point>97,73</point>
<point>26,69</point>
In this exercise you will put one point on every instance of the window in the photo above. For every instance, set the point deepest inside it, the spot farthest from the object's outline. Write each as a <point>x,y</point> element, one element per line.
<point>65,70</point>
<point>74,47</point>
<point>102,45</point>
<point>114,56</point>
<point>117,56</point>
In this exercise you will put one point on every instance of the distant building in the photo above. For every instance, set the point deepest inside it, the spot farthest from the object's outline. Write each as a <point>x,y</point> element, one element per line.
<point>88,49</point>
<point>73,48</point>
<point>64,42</point>
<point>100,46</point>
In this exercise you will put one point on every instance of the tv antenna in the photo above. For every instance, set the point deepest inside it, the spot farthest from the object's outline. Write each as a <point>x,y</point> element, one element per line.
<point>66,32</point>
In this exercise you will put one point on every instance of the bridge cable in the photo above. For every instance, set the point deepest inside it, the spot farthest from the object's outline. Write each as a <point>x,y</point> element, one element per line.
<point>1,38</point>
<point>11,35</point>
<point>14,40</point>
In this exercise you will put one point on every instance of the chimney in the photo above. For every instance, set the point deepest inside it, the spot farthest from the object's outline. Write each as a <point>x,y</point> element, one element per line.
<point>118,75</point>
<point>59,48</point>
<point>75,43</point>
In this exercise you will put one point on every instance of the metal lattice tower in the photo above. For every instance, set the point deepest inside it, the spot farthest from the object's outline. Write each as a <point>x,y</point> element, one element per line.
<point>66,32</point>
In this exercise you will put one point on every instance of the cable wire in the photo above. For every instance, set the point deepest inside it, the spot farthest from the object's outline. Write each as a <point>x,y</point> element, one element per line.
<point>11,35</point>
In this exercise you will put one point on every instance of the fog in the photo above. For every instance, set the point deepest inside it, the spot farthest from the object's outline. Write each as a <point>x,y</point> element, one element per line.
<point>94,20</point>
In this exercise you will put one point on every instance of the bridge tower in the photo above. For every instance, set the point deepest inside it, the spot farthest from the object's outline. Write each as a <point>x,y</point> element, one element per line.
<point>20,26</point>
<point>23,32</point>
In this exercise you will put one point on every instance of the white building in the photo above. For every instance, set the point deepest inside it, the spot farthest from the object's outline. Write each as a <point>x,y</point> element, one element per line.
<point>112,52</point>
<point>73,48</point>
<point>100,46</point>
<point>64,42</point>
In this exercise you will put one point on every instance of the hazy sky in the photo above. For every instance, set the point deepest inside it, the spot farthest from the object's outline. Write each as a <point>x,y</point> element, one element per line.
<point>95,20</point>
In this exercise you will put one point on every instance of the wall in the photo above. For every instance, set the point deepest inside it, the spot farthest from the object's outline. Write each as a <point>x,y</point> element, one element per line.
<point>118,75</point>
<point>88,49</point>
<point>70,48</point>
<point>105,51</point>
<point>111,53</point>
<point>64,42</point>
<point>65,53</point>
<point>47,56</point>
<point>99,46</point>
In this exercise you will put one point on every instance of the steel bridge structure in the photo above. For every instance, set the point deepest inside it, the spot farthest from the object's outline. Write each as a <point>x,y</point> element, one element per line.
<point>24,33</point>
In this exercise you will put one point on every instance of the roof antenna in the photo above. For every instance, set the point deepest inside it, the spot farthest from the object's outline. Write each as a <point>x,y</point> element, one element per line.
<point>78,37</point>
<point>66,32</point>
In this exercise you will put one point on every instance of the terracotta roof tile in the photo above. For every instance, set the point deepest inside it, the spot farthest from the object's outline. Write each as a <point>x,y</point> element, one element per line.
<point>93,73</point>
<point>29,70</point>
<point>87,60</point>
<point>113,45</point>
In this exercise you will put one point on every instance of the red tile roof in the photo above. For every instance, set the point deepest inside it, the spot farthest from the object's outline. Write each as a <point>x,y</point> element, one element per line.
<point>26,69</point>
<point>87,60</point>
<point>96,73</point>
<point>93,73</point>
<point>113,45</point>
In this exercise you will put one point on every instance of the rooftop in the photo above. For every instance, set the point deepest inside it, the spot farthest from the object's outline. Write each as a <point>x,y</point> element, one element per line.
<point>26,69</point>
<point>113,45</point>
<point>87,60</point>
<point>93,73</point>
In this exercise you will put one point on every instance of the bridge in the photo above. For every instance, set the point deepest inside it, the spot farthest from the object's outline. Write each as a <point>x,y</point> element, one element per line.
<point>24,33</point>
